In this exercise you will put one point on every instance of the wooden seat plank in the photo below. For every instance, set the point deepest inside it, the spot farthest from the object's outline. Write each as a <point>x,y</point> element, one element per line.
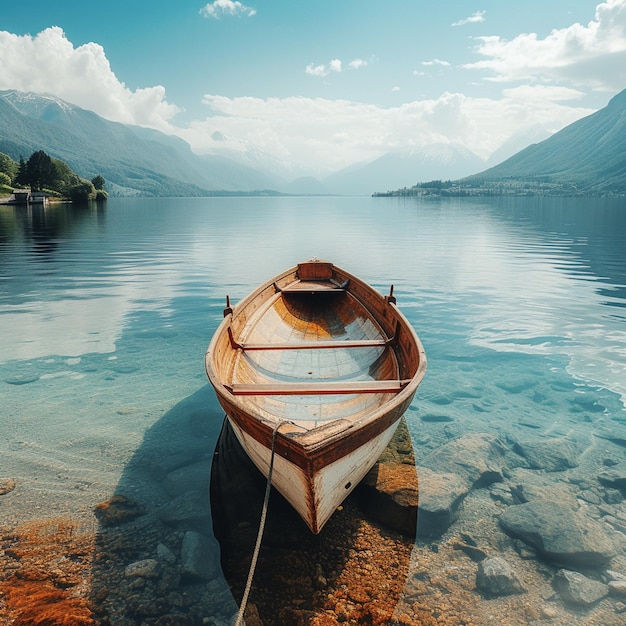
<point>310,345</point>
<point>317,388</point>
<point>318,345</point>
<point>310,287</point>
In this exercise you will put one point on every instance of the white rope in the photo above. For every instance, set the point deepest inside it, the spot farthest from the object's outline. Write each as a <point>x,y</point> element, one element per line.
<point>257,547</point>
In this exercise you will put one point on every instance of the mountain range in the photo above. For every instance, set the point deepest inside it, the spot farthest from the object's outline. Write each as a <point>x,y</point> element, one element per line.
<point>406,167</point>
<point>589,154</point>
<point>133,160</point>
<point>141,161</point>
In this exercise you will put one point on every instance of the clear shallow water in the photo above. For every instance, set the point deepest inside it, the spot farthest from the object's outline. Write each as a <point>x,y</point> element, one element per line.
<point>105,315</point>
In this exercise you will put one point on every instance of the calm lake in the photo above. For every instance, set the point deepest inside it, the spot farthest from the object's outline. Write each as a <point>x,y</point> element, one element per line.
<point>106,313</point>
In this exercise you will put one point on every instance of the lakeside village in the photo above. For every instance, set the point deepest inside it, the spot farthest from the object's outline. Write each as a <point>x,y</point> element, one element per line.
<point>42,179</point>
<point>538,186</point>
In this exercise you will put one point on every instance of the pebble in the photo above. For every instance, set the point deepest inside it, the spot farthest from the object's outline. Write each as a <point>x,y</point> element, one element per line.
<point>6,485</point>
<point>549,612</point>
<point>147,568</point>
<point>618,587</point>
<point>496,577</point>
<point>165,554</point>
<point>117,510</point>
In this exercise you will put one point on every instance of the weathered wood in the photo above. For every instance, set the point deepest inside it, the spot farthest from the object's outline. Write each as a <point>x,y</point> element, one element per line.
<point>303,286</point>
<point>315,270</point>
<point>334,344</point>
<point>321,355</point>
<point>323,388</point>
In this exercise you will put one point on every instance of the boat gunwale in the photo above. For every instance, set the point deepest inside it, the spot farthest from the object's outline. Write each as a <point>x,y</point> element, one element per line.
<point>311,447</point>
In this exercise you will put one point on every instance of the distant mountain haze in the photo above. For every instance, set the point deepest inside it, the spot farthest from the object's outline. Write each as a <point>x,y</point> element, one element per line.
<point>133,160</point>
<point>590,153</point>
<point>405,168</point>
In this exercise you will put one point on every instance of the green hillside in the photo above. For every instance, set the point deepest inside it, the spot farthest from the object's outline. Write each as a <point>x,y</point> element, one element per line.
<point>133,160</point>
<point>588,155</point>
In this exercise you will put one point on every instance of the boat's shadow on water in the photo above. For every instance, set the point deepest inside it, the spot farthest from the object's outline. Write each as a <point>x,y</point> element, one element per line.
<point>156,560</point>
<point>175,542</point>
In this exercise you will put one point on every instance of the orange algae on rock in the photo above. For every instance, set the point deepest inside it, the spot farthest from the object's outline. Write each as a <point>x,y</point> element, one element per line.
<point>117,510</point>
<point>40,603</point>
<point>43,575</point>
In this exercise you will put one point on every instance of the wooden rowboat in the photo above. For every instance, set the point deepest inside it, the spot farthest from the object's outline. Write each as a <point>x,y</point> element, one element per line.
<point>314,369</point>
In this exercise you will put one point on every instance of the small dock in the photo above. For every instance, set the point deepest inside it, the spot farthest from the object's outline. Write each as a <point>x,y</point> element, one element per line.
<point>27,197</point>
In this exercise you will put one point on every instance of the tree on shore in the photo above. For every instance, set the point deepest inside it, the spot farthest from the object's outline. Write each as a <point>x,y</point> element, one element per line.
<point>8,166</point>
<point>98,182</point>
<point>20,177</point>
<point>40,171</point>
<point>82,192</point>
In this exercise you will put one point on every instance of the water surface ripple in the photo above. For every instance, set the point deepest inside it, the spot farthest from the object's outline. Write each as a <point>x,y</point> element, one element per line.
<point>105,315</point>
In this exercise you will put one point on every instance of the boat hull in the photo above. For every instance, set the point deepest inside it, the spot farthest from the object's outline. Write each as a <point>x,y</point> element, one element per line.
<point>316,497</point>
<point>315,369</point>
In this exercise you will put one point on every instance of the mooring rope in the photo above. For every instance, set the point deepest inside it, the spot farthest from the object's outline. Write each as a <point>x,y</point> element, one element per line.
<point>259,537</point>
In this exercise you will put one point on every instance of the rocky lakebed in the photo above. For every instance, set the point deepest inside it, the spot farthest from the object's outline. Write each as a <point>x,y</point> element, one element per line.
<point>509,530</point>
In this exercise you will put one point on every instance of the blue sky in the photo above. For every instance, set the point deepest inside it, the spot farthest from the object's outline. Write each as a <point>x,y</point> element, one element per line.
<point>323,84</point>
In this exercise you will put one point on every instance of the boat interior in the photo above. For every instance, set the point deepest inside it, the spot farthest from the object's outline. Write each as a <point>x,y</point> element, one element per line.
<point>313,353</point>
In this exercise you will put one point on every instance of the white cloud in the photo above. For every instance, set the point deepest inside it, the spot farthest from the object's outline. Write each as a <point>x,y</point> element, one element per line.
<point>475,18</point>
<point>324,70</point>
<point>49,64</point>
<point>543,93</point>
<point>226,7</point>
<point>357,64</point>
<point>437,62</point>
<point>326,135</point>
<point>592,56</point>
<point>316,70</point>
<point>323,135</point>
<point>335,65</point>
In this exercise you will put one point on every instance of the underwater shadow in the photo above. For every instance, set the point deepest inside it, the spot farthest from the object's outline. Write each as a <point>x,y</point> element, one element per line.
<point>156,559</point>
<point>353,571</point>
<point>175,541</point>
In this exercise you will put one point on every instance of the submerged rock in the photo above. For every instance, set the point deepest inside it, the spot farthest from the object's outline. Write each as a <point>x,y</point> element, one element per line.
<point>440,497</point>
<point>391,496</point>
<point>615,477</point>
<point>552,455</point>
<point>617,587</point>
<point>165,555</point>
<point>469,546</point>
<point>117,510</point>
<point>192,509</point>
<point>574,588</point>
<point>496,577</point>
<point>531,486</point>
<point>477,459</point>
<point>147,568</point>
<point>199,558</point>
<point>193,477</point>
<point>560,533</point>
<point>6,485</point>
<point>22,379</point>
